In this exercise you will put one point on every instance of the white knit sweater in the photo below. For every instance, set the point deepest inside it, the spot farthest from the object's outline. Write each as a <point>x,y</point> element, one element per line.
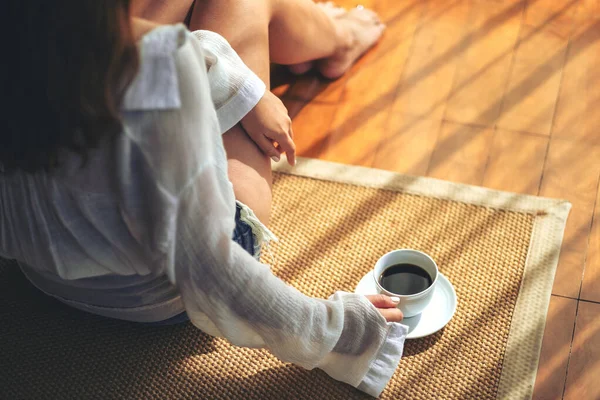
<point>143,231</point>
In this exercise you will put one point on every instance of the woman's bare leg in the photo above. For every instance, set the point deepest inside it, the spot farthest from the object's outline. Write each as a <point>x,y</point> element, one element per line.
<point>284,32</point>
<point>294,31</point>
<point>288,32</point>
<point>249,169</point>
<point>244,23</point>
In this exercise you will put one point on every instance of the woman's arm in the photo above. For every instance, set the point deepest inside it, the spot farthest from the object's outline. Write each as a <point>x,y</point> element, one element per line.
<point>241,97</point>
<point>226,292</point>
<point>238,94</point>
<point>234,88</point>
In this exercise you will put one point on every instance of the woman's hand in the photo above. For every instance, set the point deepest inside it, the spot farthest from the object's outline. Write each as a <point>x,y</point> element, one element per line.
<point>270,126</point>
<point>386,306</point>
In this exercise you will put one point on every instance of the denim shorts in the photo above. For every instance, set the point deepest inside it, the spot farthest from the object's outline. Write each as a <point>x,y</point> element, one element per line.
<point>242,235</point>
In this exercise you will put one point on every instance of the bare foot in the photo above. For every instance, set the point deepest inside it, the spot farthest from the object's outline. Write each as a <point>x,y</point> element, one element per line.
<point>333,12</point>
<point>361,29</point>
<point>331,9</point>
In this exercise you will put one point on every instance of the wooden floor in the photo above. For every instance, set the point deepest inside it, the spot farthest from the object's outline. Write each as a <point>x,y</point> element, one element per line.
<point>503,94</point>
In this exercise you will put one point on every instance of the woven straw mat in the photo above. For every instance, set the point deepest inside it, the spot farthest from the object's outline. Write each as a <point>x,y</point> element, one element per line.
<point>331,234</point>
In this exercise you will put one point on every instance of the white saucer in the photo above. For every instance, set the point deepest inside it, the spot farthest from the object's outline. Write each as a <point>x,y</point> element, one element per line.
<point>437,314</point>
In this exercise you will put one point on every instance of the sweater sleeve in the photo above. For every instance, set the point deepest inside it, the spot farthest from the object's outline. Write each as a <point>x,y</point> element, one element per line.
<point>225,291</point>
<point>234,88</point>
<point>228,293</point>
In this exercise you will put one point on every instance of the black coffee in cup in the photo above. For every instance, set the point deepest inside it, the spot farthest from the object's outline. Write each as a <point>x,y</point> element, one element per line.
<point>405,279</point>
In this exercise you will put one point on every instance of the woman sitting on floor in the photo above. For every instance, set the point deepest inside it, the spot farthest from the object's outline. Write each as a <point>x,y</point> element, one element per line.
<point>115,198</point>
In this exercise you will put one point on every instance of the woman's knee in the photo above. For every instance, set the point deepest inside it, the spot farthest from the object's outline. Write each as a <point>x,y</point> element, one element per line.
<point>244,24</point>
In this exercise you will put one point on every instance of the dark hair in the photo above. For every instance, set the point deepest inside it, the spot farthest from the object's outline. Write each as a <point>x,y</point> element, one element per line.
<point>69,63</point>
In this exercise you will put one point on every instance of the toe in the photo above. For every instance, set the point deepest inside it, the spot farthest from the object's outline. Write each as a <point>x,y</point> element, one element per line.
<point>364,13</point>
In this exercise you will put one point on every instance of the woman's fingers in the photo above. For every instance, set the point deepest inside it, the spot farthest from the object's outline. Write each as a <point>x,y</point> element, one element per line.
<point>287,145</point>
<point>391,314</point>
<point>292,156</point>
<point>267,146</point>
<point>387,306</point>
<point>383,301</point>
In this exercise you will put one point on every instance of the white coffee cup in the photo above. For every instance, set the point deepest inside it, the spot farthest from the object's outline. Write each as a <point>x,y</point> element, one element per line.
<point>412,304</point>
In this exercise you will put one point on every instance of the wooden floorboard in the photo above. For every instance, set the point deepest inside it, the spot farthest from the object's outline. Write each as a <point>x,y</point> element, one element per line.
<point>503,94</point>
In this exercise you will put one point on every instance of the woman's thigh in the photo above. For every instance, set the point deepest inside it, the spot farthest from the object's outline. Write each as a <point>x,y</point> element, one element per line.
<point>244,23</point>
<point>249,171</point>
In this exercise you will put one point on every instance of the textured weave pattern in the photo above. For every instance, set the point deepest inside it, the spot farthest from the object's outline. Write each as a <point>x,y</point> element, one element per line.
<point>331,234</point>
